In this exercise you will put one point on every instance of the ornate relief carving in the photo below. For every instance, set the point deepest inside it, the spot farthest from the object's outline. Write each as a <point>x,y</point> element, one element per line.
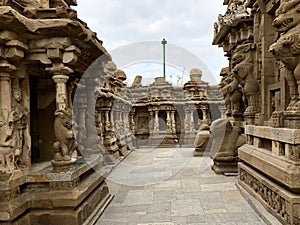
<point>276,202</point>
<point>20,125</point>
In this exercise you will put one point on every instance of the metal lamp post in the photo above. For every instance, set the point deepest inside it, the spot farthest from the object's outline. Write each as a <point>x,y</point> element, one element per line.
<point>164,42</point>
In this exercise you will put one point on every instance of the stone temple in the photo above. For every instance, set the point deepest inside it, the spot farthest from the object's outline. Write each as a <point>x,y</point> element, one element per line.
<point>67,117</point>
<point>261,93</point>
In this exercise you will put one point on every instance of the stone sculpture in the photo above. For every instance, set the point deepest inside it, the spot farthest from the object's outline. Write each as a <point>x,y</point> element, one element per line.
<point>287,47</point>
<point>196,75</point>
<point>232,94</point>
<point>20,124</point>
<point>137,81</point>
<point>66,147</point>
<point>242,63</point>
<point>226,140</point>
<point>202,139</point>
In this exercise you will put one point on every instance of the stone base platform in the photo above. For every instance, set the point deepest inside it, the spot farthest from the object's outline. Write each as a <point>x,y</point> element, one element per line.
<point>280,169</point>
<point>43,197</point>
<point>223,167</point>
<point>283,204</point>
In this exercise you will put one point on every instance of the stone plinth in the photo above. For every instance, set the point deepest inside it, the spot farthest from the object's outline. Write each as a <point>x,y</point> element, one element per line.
<point>270,170</point>
<point>282,203</point>
<point>46,197</point>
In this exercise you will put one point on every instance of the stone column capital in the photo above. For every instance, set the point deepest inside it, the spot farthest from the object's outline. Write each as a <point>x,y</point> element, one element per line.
<point>59,70</point>
<point>60,79</point>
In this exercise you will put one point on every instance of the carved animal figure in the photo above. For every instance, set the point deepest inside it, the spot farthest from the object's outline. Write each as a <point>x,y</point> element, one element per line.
<point>287,47</point>
<point>232,95</point>
<point>242,62</point>
<point>65,145</point>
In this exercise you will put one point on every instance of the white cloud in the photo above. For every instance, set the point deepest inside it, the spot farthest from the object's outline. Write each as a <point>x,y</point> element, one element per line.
<point>186,23</point>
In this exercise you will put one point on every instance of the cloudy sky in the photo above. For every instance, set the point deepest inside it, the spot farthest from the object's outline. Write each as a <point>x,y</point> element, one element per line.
<point>126,25</point>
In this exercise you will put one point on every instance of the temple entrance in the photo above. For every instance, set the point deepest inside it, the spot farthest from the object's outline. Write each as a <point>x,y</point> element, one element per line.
<point>162,115</point>
<point>42,108</point>
<point>198,115</point>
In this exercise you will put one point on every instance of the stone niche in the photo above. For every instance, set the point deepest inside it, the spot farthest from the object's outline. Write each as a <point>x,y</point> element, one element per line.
<point>269,162</point>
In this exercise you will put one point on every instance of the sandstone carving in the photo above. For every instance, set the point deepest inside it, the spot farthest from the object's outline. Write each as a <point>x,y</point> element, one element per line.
<point>242,61</point>
<point>66,147</point>
<point>226,139</point>
<point>196,75</point>
<point>137,81</point>
<point>232,94</point>
<point>287,47</point>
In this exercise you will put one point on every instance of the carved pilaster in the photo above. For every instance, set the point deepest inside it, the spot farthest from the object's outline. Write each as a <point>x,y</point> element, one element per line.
<point>11,52</point>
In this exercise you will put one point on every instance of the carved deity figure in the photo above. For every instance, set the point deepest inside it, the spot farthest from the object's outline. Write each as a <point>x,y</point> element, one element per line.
<point>242,63</point>
<point>20,124</point>
<point>287,47</point>
<point>66,147</point>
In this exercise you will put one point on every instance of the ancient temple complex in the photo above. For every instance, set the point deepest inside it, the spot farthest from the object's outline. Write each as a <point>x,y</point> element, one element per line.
<point>261,92</point>
<point>67,116</point>
<point>166,115</point>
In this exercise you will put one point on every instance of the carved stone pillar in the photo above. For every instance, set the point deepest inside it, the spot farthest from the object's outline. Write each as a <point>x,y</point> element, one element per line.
<point>107,120</point>
<point>11,54</point>
<point>192,122</point>
<point>187,119</point>
<point>65,147</point>
<point>6,130</point>
<point>156,121</point>
<point>169,123</point>
<point>131,121</point>
<point>61,91</point>
<point>151,124</point>
<point>173,122</point>
<point>92,139</point>
<point>112,120</point>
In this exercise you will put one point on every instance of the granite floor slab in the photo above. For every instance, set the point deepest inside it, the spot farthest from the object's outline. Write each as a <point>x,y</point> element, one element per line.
<point>164,186</point>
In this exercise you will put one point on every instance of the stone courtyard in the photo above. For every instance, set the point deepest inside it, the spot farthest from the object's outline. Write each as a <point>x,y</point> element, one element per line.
<point>160,186</point>
<point>231,151</point>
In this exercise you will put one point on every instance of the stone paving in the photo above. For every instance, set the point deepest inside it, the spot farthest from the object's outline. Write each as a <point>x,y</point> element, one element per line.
<point>163,186</point>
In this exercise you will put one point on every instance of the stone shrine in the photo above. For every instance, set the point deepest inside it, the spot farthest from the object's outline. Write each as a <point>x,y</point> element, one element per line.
<point>52,155</point>
<point>165,115</point>
<point>261,40</point>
